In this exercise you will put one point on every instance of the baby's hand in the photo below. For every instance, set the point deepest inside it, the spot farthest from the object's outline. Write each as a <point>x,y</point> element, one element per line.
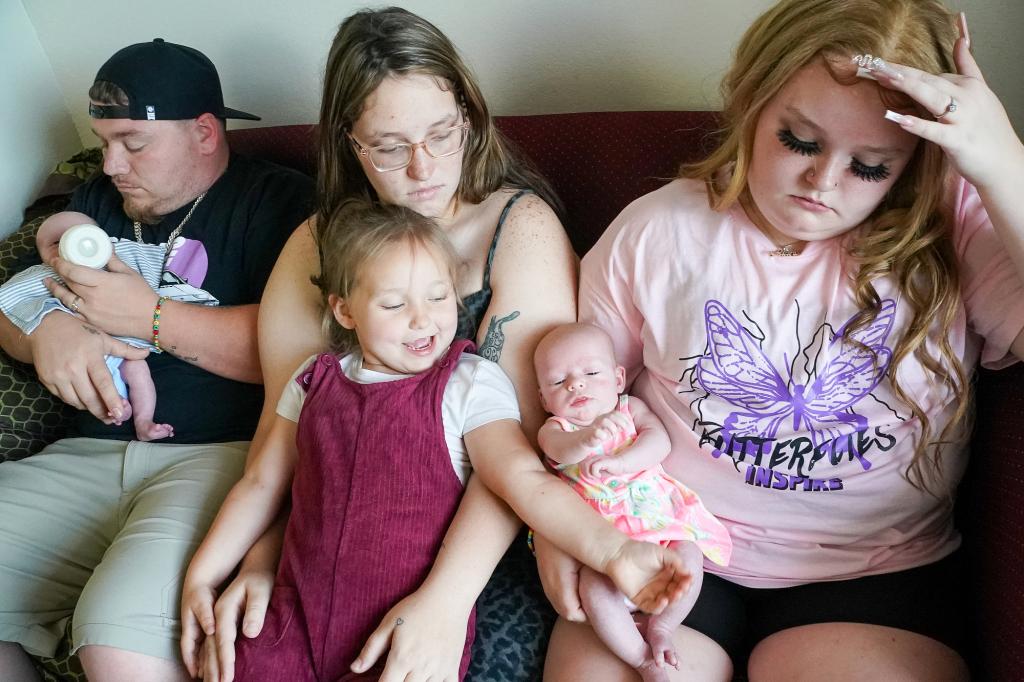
<point>593,467</point>
<point>651,575</point>
<point>605,427</point>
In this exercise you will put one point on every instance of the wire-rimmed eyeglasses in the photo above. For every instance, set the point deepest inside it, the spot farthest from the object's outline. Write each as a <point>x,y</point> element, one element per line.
<point>397,155</point>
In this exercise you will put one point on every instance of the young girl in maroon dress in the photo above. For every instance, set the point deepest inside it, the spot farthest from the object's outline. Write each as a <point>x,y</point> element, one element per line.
<point>376,440</point>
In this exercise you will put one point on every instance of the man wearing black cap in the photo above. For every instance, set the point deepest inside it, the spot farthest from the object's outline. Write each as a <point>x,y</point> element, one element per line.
<point>102,526</point>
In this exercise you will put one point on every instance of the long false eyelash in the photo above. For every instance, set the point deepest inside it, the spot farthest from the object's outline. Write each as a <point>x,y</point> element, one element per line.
<point>869,173</point>
<point>795,144</point>
<point>860,170</point>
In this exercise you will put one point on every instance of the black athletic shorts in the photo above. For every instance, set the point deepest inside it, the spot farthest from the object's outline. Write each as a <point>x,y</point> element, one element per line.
<point>927,600</point>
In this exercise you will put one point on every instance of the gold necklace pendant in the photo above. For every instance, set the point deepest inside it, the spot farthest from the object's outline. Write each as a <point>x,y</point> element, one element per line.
<point>785,250</point>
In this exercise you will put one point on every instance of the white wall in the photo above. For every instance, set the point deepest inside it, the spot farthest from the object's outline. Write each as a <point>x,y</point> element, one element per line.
<point>995,27</point>
<point>531,56</point>
<point>36,126</point>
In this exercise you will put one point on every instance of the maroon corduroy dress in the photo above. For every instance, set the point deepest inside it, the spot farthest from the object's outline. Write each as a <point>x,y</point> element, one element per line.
<point>373,495</point>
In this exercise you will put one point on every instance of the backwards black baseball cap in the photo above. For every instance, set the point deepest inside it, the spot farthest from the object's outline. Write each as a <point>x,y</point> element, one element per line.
<point>164,82</point>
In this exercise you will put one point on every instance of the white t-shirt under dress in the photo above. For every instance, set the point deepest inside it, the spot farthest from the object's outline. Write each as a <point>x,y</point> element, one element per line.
<point>477,393</point>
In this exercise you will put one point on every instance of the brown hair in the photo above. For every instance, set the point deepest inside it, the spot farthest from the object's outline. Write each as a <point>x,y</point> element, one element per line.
<point>105,92</point>
<point>356,235</point>
<point>372,45</point>
<point>907,236</point>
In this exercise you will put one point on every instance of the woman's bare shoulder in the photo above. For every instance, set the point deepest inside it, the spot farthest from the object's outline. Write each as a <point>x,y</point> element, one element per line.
<point>531,225</point>
<point>300,251</point>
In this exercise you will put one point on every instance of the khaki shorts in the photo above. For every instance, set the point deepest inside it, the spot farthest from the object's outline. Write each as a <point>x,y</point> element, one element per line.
<point>103,531</point>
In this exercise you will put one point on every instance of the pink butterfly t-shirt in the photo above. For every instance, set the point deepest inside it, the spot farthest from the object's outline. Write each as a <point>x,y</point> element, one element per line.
<point>787,428</point>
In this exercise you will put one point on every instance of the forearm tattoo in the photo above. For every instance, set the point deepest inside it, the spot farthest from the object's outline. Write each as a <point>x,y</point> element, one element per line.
<point>173,350</point>
<point>494,339</point>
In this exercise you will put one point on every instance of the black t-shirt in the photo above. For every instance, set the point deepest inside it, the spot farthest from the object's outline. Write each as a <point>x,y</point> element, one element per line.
<point>241,225</point>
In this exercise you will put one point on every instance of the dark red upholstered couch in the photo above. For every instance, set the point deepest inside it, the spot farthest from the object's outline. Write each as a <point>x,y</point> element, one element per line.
<point>599,162</point>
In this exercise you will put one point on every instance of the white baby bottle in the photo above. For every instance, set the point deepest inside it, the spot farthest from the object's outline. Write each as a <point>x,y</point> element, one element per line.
<point>86,245</point>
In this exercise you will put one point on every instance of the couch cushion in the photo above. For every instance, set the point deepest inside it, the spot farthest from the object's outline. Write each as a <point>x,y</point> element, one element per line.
<point>600,162</point>
<point>991,514</point>
<point>293,146</point>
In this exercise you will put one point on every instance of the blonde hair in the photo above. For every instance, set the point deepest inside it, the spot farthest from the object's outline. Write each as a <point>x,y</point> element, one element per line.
<point>358,233</point>
<point>907,236</point>
<point>372,45</point>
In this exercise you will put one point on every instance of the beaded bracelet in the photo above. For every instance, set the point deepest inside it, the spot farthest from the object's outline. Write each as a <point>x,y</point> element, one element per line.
<point>529,542</point>
<point>156,323</point>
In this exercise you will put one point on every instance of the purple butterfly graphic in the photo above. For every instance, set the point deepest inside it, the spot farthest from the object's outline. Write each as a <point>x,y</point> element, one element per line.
<point>737,370</point>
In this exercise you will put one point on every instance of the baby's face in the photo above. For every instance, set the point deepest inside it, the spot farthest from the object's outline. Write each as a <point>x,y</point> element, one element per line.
<point>578,377</point>
<point>48,248</point>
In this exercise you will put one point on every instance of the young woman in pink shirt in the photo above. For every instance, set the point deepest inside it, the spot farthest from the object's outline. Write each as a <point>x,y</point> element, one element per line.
<point>804,310</point>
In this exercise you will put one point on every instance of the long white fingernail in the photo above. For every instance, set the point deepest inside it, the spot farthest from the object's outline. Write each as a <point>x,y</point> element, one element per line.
<point>865,73</point>
<point>888,71</point>
<point>962,21</point>
<point>896,118</point>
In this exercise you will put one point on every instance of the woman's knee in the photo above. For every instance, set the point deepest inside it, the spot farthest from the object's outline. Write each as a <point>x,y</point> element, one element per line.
<point>576,654</point>
<point>854,651</point>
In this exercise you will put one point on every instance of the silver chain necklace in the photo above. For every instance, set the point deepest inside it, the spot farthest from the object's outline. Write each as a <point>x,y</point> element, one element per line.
<point>175,232</point>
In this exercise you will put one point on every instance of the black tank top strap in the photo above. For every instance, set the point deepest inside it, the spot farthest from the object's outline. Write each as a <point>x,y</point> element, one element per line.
<point>497,233</point>
<point>474,305</point>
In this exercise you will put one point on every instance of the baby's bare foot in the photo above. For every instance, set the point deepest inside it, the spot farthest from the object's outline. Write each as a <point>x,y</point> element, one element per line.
<point>662,647</point>
<point>650,672</point>
<point>147,430</point>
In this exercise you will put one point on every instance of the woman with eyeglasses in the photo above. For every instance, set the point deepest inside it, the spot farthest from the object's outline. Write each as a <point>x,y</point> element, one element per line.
<point>404,123</point>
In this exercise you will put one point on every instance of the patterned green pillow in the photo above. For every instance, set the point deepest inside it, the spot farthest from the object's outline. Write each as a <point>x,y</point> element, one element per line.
<point>62,667</point>
<point>30,417</point>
